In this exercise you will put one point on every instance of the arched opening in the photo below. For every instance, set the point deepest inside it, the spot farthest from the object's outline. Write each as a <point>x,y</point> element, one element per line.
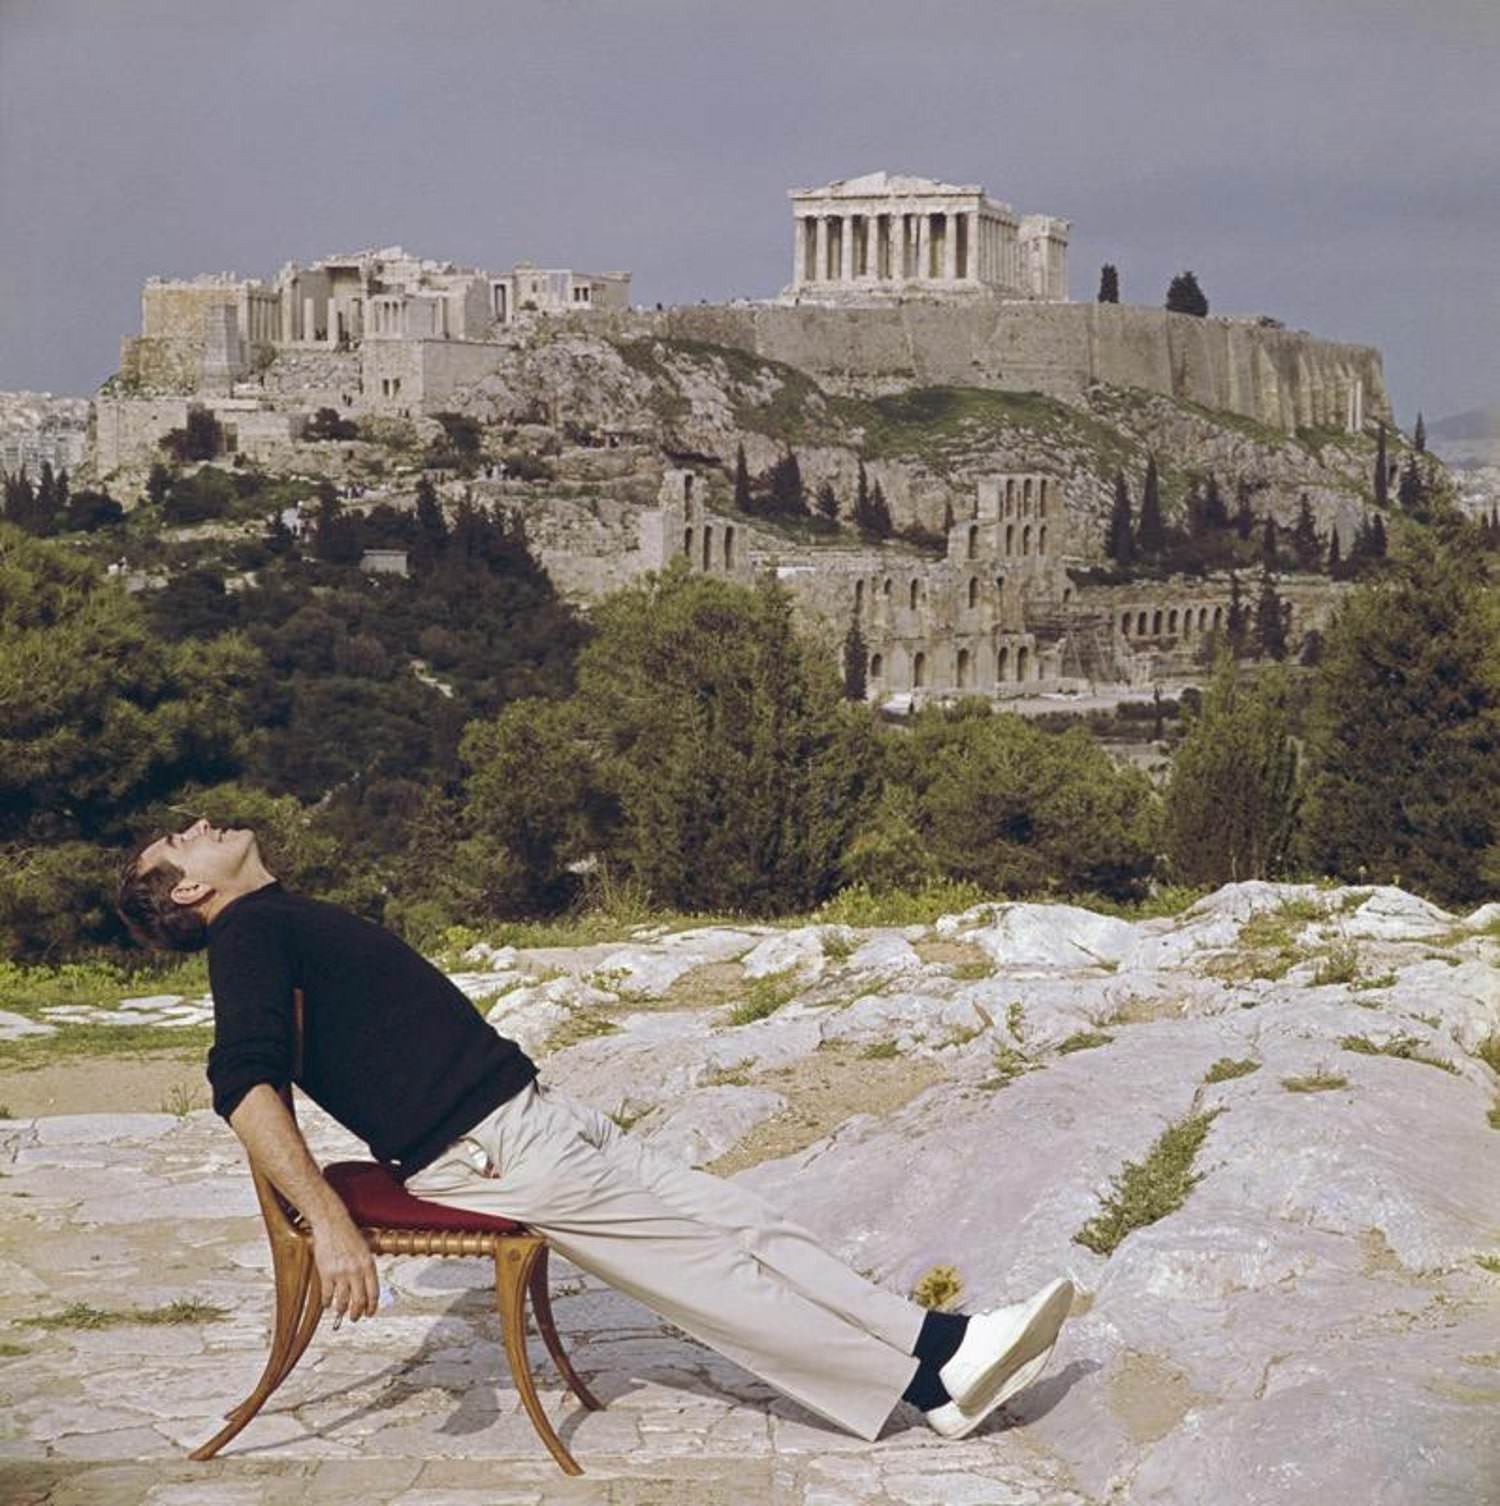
<point>1187,623</point>
<point>914,595</point>
<point>973,591</point>
<point>687,488</point>
<point>1202,618</point>
<point>1172,620</point>
<point>708,547</point>
<point>1002,664</point>
<point>1023,664</point>
<point>1067,594</point>
<point>729,547</point>
<point>1156,623</point>
<point>973,541</point>
<point>1010,537</point>
<point>1218,617</point>
<point>687,544</point>
<point>1026,498</point>
<point>1026,539</point>
<point>1041,498</point>
<point>1010,497</point>
<point>1041,539</point>
<point>859,597</point>
<point>963,668</point>
<point>1140,624</point>
<point>887,585</point>
<point>1125,624</point>
<point>877,666</point>
<point>918,671</point>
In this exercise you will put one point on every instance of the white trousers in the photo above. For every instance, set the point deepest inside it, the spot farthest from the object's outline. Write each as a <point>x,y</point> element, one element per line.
<point>707,1255</point>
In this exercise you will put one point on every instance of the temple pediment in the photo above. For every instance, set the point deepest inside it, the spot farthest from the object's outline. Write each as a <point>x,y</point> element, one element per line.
<point>883,185</point>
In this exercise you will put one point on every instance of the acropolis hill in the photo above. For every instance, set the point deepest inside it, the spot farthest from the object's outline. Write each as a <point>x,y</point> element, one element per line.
<point>925,335</point>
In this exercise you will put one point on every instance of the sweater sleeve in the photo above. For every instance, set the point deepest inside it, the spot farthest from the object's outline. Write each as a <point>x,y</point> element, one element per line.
<point>250,972</point>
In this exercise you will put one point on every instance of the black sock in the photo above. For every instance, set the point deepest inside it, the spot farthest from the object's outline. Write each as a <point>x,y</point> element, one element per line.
<point>937,1343</point>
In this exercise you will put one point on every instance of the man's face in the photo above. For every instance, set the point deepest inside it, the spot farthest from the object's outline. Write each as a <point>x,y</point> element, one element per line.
<point>210,857</point>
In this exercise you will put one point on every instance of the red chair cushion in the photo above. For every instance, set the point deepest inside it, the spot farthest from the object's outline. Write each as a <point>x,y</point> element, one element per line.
<point>375,1197</point>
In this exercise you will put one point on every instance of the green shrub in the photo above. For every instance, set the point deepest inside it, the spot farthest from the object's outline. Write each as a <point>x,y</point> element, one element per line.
<point>1148,1190</point>
<point>766,995</point>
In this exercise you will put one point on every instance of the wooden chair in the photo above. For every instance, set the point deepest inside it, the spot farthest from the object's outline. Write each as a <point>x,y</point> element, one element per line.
<point>396,1223</point>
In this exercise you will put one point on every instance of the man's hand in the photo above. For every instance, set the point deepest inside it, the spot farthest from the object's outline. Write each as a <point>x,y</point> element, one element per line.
<point>346,1268</point>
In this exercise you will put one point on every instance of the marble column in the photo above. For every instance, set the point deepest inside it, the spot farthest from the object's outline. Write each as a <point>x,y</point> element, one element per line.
<point>820,249</point>
<point>950,246</point>
<point>846,250</point>
<point>924,230</point>
<point>799,252</point>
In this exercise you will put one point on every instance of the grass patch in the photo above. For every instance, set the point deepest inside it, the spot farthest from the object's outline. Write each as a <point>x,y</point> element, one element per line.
<point>1227,1067</point>
<point>837,947</point>
<point>937,1288</point>
<point>737,1076</point>
<point>1083,1040</point>
<point>1339,964</point>
<point>972,972</point>
<point>1148,1190</point>
<point>630,1114</point>
<point>766,995</point>
<point>880,1051</point>
<point>1488,1263</point>
<point>1165,901</point>
<point>859,905</point>
<point>83,1315</point>
<point>182,1100</point>
<point>1318,1081</point>
<point>1009,1065</point>
<point>9,1351</point>
<point>26,990</point>
<point>1494,1115</point>
<point>1015,1019</point>
<point>1405,1047</point>
<point>1375,980</point>
<point>105,1040</point>
<point>581,1025</point>
<point>1488,1051</point>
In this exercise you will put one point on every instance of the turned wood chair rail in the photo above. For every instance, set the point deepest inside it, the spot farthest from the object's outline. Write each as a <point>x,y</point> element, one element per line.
<point>368,1189</point>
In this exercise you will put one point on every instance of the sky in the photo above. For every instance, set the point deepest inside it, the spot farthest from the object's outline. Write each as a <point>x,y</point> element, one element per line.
<point>1330,162</point>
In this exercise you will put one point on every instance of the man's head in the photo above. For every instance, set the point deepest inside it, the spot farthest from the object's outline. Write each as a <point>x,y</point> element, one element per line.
<point>172,886</point>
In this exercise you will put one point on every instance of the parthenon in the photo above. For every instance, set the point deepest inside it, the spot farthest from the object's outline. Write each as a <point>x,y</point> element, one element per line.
<point>887,234</point>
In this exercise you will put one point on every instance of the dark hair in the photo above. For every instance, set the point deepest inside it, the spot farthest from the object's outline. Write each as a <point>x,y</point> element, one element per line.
<point>144,902</point>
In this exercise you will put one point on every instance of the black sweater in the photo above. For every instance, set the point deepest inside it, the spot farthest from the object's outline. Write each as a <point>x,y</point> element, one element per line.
<point>390,1047</point>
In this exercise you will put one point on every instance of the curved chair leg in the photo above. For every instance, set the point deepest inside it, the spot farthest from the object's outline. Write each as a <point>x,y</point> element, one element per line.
<point>515,1259</point>
<point>289,1263</point>
<point>309,1310</point>
<point>541,1307</point>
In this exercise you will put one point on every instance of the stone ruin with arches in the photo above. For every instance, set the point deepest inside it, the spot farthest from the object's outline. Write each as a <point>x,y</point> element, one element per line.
<point>997,615</point>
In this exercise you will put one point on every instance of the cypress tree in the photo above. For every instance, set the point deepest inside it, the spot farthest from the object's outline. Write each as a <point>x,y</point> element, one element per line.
<point>1419,435</point>
<point>1269,544</point>
<point>1307,545</point>
<point>1231,801</point>
<point>1335,558</point>
<point>1109,284</point>
<point>828,503</point>
<point>856,662</point>
<point>1215,513</point>
<point>742,499</point>
<point>1151,535</point>
<point>1382,470</point>
<point>1377,538</point>
<point>1184,296</point>
<point>1236,626</point>
<point>1411,492</point>
<point>1270,620</point>
<point>787,497</point>
<point>158,484</point>
<point>1244,519</point>
<point>880,513</point>
<point>1119,542</point>
<point>432,528</point>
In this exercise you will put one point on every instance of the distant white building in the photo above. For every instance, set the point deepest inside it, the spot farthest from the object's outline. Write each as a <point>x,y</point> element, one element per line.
<point>556,290</point>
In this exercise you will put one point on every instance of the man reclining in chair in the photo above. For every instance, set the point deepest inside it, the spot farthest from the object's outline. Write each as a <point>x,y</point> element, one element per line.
<point>395,1053</point>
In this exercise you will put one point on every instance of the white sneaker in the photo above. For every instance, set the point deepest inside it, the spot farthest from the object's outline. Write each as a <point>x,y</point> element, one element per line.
<point>1003,1351</point>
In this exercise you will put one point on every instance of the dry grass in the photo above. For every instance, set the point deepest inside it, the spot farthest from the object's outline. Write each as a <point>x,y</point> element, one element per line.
<point>938,1288</point>
<point>82,1315</point>
<point>1318,1081</point>
<point>1404,1047</point>
<point>1227,1067</point>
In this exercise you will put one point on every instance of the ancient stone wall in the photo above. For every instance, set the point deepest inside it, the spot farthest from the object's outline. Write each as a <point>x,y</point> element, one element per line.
<point>1283,378</point>
<point>127,430</point>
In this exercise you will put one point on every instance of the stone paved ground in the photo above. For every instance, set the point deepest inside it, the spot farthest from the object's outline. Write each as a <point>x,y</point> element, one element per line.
<point>1319,1321</point>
